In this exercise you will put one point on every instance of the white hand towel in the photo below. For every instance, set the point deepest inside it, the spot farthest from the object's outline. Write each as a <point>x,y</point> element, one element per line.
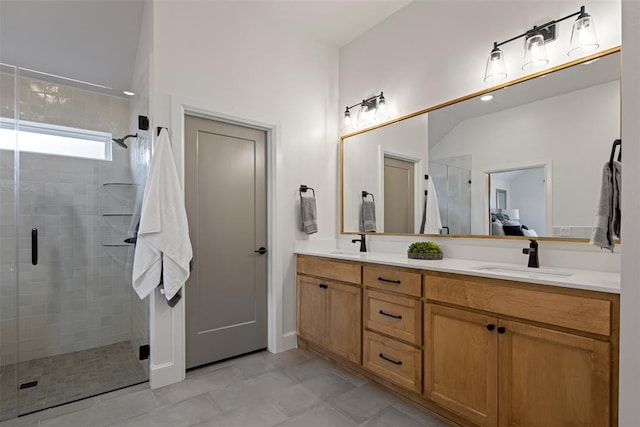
<point>433,223</point>
<point>163,236</point>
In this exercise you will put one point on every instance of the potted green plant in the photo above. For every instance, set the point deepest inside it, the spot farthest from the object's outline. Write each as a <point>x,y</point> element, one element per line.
<point>424,250</point>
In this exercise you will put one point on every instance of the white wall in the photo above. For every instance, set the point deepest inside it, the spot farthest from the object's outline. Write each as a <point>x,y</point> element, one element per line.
<point>630,298</point>
<point>226,58</point>
<point>571,133</point>
<point>364,170</point>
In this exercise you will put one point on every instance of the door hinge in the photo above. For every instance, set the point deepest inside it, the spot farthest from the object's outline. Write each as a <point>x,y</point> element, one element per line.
<point>145,351</point>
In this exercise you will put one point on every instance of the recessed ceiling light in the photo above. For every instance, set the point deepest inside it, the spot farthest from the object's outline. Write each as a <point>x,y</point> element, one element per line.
<point>486,98</point>
<point>128,93</point>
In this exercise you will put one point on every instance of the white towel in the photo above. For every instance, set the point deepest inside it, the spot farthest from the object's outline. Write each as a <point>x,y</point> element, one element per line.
<point>433,223</point>
<point>163,236</point>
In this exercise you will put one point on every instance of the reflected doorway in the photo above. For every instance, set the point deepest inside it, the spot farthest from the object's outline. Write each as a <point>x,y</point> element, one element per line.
<point>398,195</point>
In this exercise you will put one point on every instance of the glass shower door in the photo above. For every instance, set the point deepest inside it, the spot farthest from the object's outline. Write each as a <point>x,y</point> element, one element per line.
<point>79,323</point>
<point>8,247</point>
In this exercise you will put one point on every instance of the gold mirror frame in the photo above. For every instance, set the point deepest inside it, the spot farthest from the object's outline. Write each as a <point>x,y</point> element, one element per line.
<point>446,104</point>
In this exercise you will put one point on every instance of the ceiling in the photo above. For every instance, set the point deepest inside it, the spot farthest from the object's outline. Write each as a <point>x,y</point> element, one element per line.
<point>96,41</point>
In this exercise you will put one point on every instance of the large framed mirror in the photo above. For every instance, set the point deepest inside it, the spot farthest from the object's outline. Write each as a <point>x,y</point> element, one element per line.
<point>524,160</point>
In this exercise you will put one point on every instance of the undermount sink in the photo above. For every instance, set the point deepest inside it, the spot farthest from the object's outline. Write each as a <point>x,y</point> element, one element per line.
<point>537,273</point>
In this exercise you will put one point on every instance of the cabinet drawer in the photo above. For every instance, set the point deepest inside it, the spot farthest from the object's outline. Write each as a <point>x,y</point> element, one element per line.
<point>398,316</point>
<point>393,280</point>
<point>320,267</point>
<point>569,311</point>
<point>397,362</point>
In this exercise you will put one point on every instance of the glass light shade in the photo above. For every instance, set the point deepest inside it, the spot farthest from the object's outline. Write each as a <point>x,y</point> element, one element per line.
<point>382,110</point>
<point>496,70</point>
<point>535,53</point>
<point>347,123</point>
<point>583,36</point>
<point>365,115</point>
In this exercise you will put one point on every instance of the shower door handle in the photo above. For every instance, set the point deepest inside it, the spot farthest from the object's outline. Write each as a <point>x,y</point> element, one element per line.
<point>34,246</point>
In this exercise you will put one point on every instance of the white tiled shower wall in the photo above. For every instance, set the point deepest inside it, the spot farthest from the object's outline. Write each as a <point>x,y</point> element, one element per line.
<point>79,295</point>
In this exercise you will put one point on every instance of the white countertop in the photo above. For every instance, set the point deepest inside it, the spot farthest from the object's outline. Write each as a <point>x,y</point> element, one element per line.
<point>568,278</point>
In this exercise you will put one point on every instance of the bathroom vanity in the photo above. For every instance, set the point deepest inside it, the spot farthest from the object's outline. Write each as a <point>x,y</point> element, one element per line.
<point>479,344</point>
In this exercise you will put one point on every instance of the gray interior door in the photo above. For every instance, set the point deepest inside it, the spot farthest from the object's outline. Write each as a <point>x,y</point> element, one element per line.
<point>226,198</point>
<point>398,196</point>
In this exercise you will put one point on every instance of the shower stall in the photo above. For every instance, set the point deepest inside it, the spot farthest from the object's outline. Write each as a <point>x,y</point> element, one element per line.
<point>71,326</point>
<point>453,185</point>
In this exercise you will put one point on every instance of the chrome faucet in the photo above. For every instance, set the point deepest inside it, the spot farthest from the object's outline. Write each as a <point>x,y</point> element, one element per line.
<point>532,251</point>
<point>363,243</point>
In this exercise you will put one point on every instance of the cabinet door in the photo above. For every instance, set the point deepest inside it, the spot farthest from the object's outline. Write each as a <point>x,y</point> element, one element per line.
<point>311,297</point>
<point>551,378</point>
<point>344,321</point>
<point>461,362</point>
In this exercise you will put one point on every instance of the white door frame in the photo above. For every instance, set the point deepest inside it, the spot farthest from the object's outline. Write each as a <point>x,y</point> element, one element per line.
<point>168,327</point>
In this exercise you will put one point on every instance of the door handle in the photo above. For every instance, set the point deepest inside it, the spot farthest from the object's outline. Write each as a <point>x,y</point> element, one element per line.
<point>34,246</point>
<point>262,250</point>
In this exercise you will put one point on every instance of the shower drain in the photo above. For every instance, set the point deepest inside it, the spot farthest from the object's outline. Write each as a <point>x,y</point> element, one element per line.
<point>28,385</point>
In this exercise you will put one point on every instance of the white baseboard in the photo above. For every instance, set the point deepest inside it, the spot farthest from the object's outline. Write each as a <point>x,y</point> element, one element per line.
<point>164,374</point>
<point>289,341</point>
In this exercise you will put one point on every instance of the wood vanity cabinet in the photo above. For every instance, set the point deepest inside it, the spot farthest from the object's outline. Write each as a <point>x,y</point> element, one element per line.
<point>494,370</point>
<point>330,312</point>
<point>475,350</point>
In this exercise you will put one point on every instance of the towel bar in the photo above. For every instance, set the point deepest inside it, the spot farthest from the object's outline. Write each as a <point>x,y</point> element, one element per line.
<point>304,189</point>
<point>365,193</point>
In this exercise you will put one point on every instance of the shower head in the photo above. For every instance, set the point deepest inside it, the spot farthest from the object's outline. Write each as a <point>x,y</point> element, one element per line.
<point>120,141</point>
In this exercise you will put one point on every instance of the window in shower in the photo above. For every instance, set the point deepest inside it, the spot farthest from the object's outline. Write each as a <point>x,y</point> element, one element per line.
<point>45,138</point>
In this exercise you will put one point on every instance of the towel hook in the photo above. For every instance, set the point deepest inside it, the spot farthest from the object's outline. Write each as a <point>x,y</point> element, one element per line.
<point>304,189</point>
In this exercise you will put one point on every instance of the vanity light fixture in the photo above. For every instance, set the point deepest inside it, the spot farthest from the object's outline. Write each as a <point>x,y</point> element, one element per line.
<point>371,110</point>
<point>583,40</point>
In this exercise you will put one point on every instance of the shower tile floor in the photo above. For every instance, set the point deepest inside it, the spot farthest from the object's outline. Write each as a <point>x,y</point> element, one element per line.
<point>68,377</point>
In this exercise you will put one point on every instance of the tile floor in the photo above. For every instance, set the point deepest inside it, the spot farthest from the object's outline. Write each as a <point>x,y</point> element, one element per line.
<point>292,389</point>
<point>69,377</point>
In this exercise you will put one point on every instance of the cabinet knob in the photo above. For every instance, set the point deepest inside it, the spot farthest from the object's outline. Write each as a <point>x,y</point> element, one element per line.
<point>491,326</point>
<point>501,330</point>
<point>323,286</point>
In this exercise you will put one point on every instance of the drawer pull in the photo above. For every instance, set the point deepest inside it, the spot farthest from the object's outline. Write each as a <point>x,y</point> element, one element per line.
<point>390,315</point>
<point>382,279</point>
<point>395,362</point>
